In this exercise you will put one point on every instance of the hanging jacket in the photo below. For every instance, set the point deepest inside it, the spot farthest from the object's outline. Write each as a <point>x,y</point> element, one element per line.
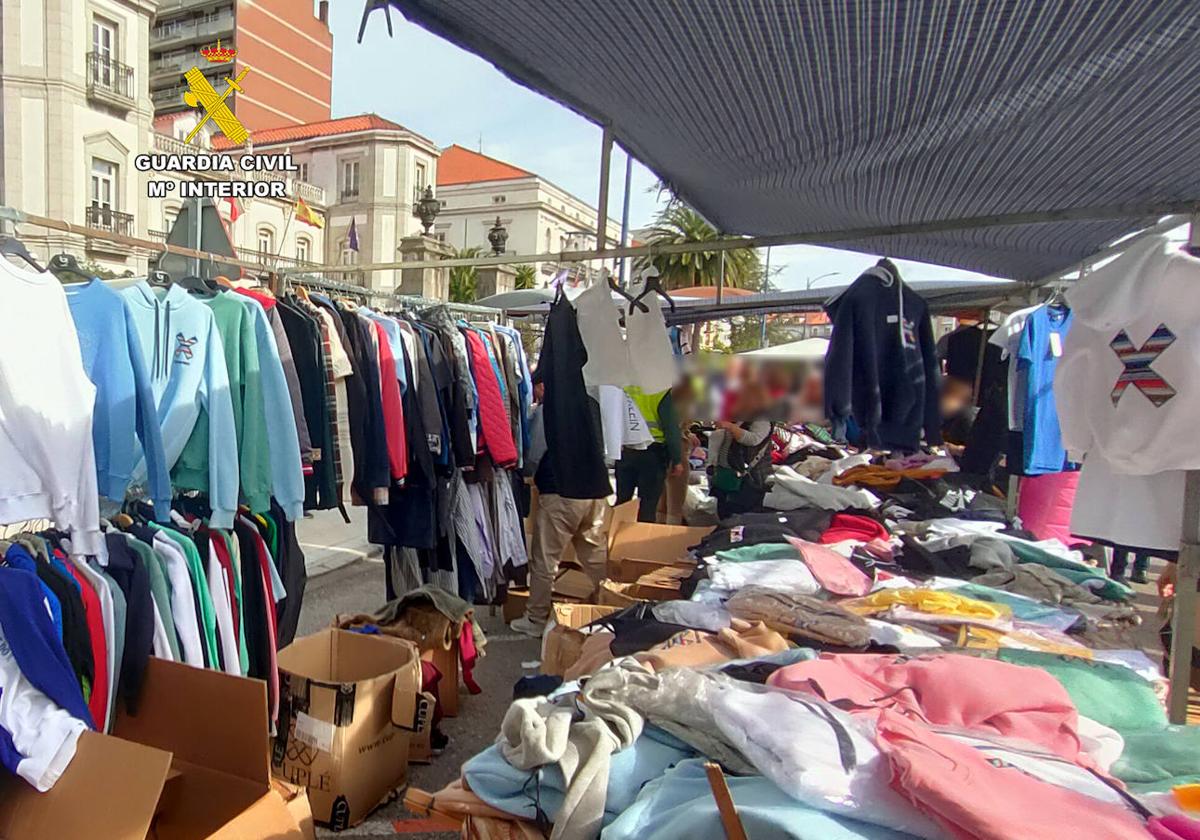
<point>393,407</point>
<point>235,323</point>
<point>125,413</point>
<point>495,432</point>
<point>881,368</point>
<point>180,339</point>
<point>574,436</point>
<point>371,468</point>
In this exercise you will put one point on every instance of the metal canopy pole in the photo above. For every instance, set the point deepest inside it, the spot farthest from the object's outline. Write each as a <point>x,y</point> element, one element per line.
<point>606,144</point>
<point>1187,574</point>
<point>623,275</point>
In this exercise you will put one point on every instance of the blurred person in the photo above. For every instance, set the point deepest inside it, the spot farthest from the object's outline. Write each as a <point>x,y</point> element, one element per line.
<point>739,451</point>
<point>646,470</point>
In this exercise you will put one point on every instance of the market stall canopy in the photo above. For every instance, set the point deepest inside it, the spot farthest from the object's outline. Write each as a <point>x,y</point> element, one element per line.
<point>778,118</point>
<point>804,350</point>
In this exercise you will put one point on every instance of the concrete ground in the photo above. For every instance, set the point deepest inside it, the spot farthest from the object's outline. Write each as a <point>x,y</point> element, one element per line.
<point>346,576</point>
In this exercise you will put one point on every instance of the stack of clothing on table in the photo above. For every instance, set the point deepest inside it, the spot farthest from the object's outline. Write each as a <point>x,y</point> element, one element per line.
<point>880,654</point>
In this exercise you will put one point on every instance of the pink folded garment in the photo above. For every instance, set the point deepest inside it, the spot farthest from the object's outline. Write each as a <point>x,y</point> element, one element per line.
<point>974,794</point>
<point>944,689</point>
<point>1045,504</point>
<point>835,573</point>
<point>1174,827</point>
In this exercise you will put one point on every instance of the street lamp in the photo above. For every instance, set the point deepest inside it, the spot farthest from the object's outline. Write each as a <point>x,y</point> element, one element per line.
<point>808,284</point>
<point>498,236</point>
<point>427,209</point>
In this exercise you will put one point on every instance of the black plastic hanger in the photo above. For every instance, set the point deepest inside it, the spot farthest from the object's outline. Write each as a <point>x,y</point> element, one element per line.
<point>14,246</point>
<point>65,263</point>
<point>158,277</point>
<point>653,284</point>
<point>614,286</point>
<point>199,285</point>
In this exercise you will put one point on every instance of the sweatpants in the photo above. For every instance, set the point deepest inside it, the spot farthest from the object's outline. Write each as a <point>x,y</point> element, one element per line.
<point>560,522</point>
<point>643,470</point>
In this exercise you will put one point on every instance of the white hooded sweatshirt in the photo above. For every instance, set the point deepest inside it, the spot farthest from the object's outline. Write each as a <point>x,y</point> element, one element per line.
<point>1128,384</point>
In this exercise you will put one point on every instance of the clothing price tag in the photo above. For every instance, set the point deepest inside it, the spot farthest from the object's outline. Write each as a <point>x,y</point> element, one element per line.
<point>893,319</point>
<point>1055,344</point>
<point>736,533</point>
<point>315,733</point>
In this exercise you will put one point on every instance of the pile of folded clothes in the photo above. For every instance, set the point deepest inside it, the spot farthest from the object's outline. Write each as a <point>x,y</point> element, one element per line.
<point>877,654</point>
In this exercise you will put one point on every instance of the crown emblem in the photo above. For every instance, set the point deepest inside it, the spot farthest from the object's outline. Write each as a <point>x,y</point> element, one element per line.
<point>218,54</point>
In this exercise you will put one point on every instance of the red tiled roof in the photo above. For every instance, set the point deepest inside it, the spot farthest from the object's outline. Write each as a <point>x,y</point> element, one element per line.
<point>462,166</point>
<point>306,131</point>
<point>163,123</point>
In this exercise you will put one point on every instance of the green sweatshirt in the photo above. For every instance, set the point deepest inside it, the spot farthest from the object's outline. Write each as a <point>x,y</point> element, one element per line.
<point>160,590</point>
<point>236,326</point>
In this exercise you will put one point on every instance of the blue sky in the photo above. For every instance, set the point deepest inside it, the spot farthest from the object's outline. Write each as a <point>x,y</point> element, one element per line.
<point>452,96</point>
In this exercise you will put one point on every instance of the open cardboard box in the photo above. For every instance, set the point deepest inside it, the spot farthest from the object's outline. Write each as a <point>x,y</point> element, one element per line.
<point>571,586</point>
<point>638,548</point>
<point>192,764</point>
<point>563,642</point>
<point>348,708</point>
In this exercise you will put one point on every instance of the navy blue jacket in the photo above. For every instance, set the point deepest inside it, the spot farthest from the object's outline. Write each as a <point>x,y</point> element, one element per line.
<point>881,369</point>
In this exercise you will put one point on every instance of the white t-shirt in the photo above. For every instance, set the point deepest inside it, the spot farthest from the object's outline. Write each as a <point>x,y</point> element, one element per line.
<point>44,734</point>
<point>621,422</point>
<point>608,361</point>
<point>1008,338</point>
<point>655,369</point>
<point>183,605</point>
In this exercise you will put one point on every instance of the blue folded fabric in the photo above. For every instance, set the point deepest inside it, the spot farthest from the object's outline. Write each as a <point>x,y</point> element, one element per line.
<point>680,804</point>
<point>523,793</point>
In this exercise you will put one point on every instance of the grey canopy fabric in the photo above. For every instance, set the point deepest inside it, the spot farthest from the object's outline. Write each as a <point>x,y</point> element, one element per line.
<point>788,116</point>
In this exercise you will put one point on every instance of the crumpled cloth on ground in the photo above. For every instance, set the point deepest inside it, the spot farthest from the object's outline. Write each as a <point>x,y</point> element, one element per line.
<point>851,526</point>
<point>696,648</point>
<point>694,614</point>
<point>455,609</point>
<point>883,477</point>
<point>535,733</point>
<point>800,617</point>
<point>944,689</point>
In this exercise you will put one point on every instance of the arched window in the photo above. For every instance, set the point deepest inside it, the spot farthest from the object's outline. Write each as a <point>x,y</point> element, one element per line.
<point>266,243</point>
<point>303,249</point>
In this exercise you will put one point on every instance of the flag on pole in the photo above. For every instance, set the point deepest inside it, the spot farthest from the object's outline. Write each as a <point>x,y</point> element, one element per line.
<point>306,214</point>
<point>352,237</point>
<point>235,208</point>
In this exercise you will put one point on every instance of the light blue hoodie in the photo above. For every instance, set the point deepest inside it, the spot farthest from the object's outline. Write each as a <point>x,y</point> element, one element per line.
<point>180,341</point>
<point>125,410</point>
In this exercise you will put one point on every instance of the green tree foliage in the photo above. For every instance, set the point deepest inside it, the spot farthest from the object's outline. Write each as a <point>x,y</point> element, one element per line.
<point>677,223</point>
<point>464,278</point>
<point>526,277</point>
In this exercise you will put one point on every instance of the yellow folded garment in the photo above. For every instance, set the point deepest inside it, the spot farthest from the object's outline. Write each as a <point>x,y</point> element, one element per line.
<point>985,638</point>
<point>935,601</point>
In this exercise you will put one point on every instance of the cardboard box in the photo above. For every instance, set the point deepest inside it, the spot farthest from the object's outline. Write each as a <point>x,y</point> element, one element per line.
<point>636,548</point>
<point>661,584</point>
<point>191,765</point>
<point>420,747</point>
<point>571,586</point>
<point>616,594</point>
<point>348,707</point>
<point>563,642</point>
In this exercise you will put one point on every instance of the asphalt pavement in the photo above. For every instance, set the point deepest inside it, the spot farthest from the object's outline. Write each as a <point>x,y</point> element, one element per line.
<point>346,576</point>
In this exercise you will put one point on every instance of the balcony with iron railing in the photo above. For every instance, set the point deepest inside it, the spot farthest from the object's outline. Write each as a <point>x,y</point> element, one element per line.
<point>312,194</point>
<point>164,98</point>
<point>109,81</point>
<point>106,218</point>
<point>178,32</point>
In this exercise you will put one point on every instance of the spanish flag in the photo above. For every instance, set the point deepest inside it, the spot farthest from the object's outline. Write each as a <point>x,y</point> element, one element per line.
<point>306,214</point>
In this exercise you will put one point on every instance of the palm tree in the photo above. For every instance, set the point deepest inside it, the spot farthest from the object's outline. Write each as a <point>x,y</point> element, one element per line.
<point>526,277</point>
<point>677,223</point>
<point>463,277</point>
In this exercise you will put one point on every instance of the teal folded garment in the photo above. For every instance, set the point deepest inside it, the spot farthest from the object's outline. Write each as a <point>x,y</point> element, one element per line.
<point>759,551</point>
<point>1073,570</point>
<point>523,793</point>
<point>680,804</point>
<point>1155,761</point>
<point>1109,694</point>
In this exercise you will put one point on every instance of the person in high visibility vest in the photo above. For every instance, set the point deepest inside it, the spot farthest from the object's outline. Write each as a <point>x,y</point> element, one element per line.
<point>644,471</point>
